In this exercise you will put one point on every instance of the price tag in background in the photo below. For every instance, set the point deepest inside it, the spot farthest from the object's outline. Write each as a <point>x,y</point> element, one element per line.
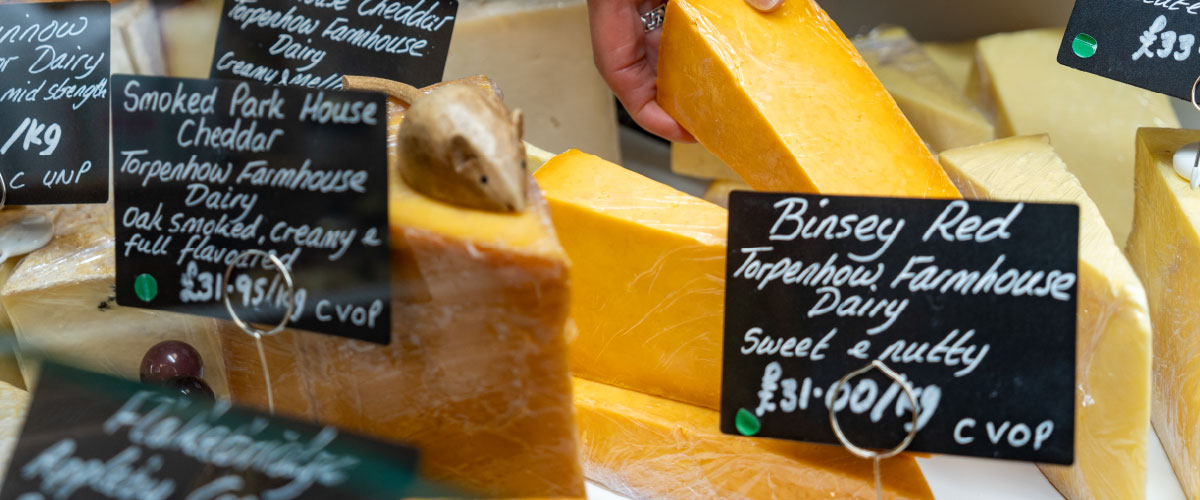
<point>54,94</point>
<point>819,286</point>
<point>1152,45</point>
<point>313,44</point>
<point>207,169</point>
<point>88,435</point>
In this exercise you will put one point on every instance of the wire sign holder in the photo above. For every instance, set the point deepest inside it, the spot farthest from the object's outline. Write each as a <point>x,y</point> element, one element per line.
<point>873,455</point>
<point>258,334</point>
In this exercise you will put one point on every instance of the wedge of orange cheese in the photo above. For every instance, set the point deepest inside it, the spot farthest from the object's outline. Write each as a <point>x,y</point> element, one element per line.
<point>786,100</point>
<point>647,447</point>
<point>1112,398</point>
<point>648,279</point>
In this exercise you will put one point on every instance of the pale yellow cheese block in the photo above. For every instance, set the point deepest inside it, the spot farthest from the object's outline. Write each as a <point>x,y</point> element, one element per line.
<point>940,113</point>
<point>652,448</point>
<point>693,160</point>
<point>955,60</point>
<point>14,403</point>
<point>718,191</point>
<point>1164,248</point>
<point>189,32</point>
<point>1112,409</point>
<point>1090,119</point>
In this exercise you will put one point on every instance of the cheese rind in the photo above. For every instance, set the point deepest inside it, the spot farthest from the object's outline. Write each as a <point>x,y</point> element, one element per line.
<point>1164,248</point>
<point>648,281</point>
<point>1112,407</point>
<point>785,100</point>
<point>647,447</point>
<point>1091,120</point>
<point>693,160</point>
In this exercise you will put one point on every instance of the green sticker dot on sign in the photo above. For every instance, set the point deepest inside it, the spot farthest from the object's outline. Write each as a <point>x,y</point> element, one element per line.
<point>747,424</point>
<point>146,287</point>
<point>1084,45</point>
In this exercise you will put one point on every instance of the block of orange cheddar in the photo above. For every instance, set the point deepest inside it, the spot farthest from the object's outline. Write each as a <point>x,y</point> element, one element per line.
<point>785,99</point>
<point>648,447</point>
<point>648,279</point>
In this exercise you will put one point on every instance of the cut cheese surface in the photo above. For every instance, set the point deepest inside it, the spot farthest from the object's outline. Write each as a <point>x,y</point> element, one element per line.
<point>718,191</point>
<point>1091,120</point>
<point>648,278</point>
<point>475,375</point>
<point>648,447</point>
<point>955,60</point>
<point>939,112</point>
<point>1112,409</point>
<point>1164,248</point>
<point>61,300</point>
<point>785,100</point>
<point>693,160</point>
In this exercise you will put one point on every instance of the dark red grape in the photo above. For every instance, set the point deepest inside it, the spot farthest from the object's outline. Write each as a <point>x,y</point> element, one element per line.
<point>190,386</point>
<point>170,359</point>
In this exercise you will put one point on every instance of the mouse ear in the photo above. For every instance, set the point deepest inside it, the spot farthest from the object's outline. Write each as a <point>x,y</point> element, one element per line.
<point>518,119</point>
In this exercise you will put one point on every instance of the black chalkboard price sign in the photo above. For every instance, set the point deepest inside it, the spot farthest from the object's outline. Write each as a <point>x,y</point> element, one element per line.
<point>54,96</point>
<point>972,303</point>
<point>1154,45</point>
<point>93,436</point>
<point>314,43</point>
<point>206,169</point>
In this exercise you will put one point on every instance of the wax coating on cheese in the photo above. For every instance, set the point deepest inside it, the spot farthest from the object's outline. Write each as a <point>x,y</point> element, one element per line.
<point>1112,404</point>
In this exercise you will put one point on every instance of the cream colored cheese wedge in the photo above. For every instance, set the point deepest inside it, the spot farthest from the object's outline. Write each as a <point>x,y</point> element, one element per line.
<point>61,303</point>
<point>1112,410</point>
<point>190,36</point>
<point>955,60</point>
<point>14,403</point>
<point>1164,248</point>
<point>1090,119</point>
<point>940,113</point>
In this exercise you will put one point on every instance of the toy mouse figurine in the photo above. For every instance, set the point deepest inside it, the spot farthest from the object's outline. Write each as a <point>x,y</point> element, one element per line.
<point>458,143</point>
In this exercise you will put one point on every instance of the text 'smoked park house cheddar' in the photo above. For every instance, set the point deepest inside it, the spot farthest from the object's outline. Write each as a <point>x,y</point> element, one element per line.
<point>1112,399</point>
<point>1164,248</point>
<point>648,447</point>
<point>785,99</point>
